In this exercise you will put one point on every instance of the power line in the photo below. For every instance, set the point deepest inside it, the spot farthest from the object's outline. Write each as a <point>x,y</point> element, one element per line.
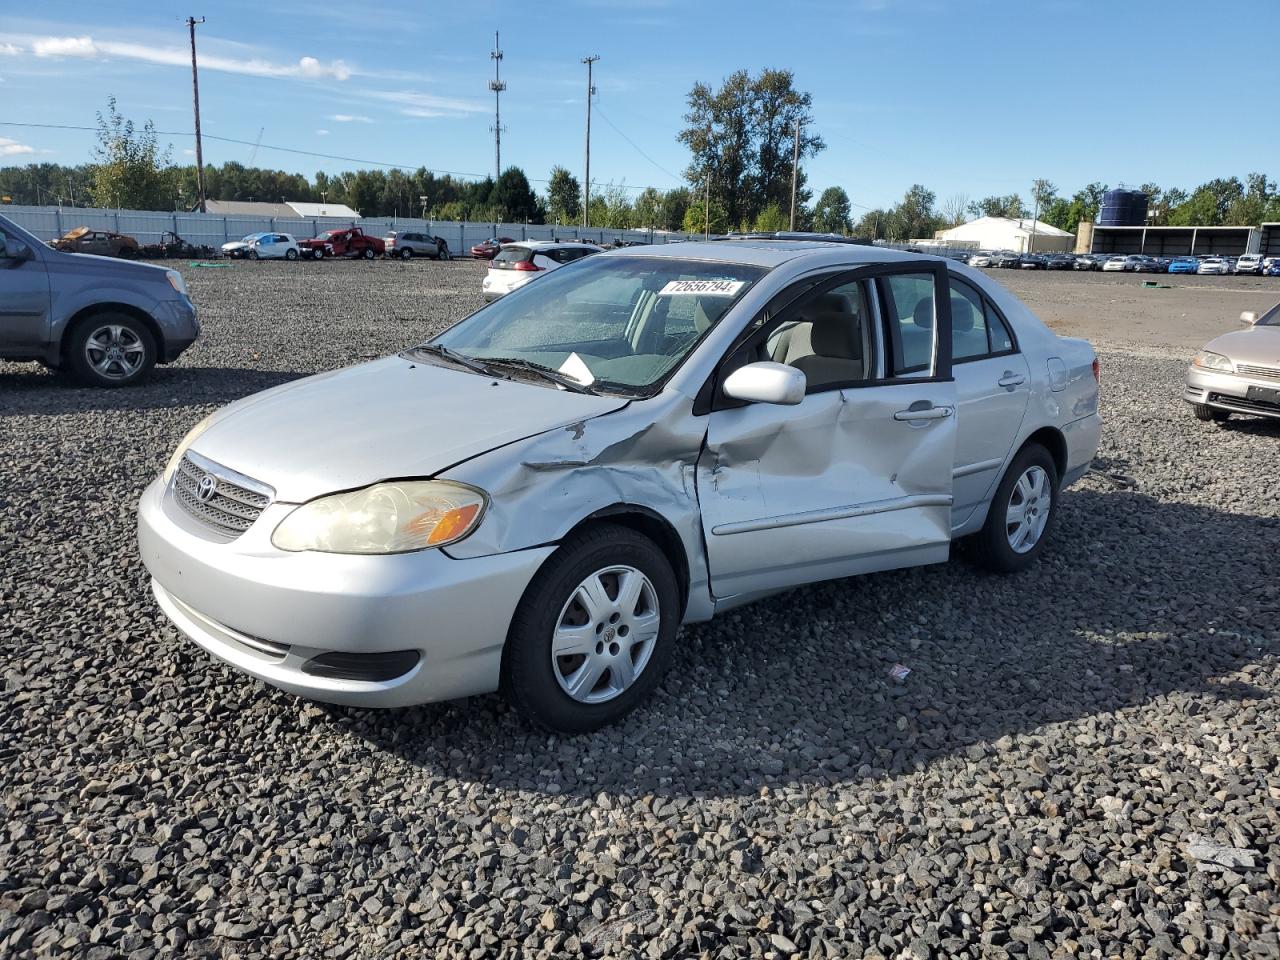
<point>636,146</point>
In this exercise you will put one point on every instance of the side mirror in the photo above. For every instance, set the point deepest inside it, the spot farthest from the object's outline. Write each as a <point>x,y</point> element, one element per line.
<point>13,253</point>
<point>1249,318</point>
<point>766,382</point>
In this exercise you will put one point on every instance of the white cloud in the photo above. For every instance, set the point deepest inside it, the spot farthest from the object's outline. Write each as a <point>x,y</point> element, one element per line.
<point>350,118</point>
<point>9,49</point>
<point>188,153</point>
<point>429,105</point>
<point>85,47</point>
<point>322,133</point>
<point>11,148</point>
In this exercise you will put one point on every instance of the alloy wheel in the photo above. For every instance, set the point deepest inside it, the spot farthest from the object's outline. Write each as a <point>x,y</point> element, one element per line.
<point>606,634</point>
<point>1028,510</point>
<point>115,352</point>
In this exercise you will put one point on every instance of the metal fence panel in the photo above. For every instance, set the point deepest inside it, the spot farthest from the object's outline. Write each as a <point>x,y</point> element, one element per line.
<point>148,226</point>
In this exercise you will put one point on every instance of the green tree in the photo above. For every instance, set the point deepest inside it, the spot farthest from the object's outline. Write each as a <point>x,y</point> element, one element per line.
<point>674,205</point>
<point>513,199</point>
<point>914,217</point>
<point>1208,203</point>
<point>772,218</point>
<point>564,197</point>
<point>742,138</point>
<point>647,210</point>
<point>1043,194</point>
<point>872,226</point>
<point>832,211</point>
<point>1250,208</point>
<point>695,216</point>
<point>617,211</point>
<point>1010,206</point>
<point>131,169</point>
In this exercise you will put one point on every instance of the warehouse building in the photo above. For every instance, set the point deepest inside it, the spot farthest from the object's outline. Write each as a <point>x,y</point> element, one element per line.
<point>1177,241</point>
<point>1021,235</point>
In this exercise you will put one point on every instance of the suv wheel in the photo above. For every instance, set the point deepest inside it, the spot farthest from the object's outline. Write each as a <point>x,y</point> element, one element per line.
<point>594,631</point>
<point>406,254</point>
<point>317,253</point>
<point>111,350</point>
<point>1022,512</point>
<point>368,253</point>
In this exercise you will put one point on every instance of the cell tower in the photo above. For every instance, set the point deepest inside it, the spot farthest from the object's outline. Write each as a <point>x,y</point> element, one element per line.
<point>497,86</point>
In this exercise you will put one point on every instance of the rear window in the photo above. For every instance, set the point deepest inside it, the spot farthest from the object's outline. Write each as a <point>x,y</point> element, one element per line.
<point>513,254</point>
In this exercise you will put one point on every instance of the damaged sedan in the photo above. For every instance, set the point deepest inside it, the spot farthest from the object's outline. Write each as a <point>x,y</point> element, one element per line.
<point>536,499</point>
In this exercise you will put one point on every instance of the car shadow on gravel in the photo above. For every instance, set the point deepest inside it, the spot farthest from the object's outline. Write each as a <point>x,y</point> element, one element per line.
<point>39,391</point>
<point>1137,603</point>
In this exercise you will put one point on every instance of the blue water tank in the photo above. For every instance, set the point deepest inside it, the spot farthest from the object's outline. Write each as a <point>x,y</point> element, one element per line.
<point>1123,208</point>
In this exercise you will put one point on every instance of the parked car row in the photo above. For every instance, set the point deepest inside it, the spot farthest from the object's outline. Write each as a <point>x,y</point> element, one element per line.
<point>1251,263</point>
<point>348,242</point>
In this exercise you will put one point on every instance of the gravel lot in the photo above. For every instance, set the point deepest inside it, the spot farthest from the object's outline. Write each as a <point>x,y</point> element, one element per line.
<point>1083,762</point>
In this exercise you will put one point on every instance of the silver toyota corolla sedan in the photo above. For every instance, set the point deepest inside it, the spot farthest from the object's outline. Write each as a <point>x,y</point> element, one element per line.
<point>1238,372</point>
<point>536,499</point>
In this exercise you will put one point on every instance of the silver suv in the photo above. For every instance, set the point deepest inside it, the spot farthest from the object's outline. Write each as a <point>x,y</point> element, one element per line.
<point>108,321</point>
<point>407,244</point>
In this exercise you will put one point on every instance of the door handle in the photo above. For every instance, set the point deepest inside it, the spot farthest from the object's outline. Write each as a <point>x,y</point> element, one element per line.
<point>1011,380</point>
<point>924,413</point>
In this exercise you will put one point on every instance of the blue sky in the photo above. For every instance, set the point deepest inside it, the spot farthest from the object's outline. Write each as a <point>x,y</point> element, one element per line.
<point>973,97</point>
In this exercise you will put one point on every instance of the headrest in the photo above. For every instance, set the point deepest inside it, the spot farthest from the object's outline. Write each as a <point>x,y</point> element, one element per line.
<point>834,334</point>
<point>962,311</point>
<point>923,314</point>
<point>831,303</point>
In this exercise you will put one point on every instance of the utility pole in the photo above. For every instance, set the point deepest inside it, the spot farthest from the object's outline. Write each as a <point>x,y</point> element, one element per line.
<point>1035,188</point>
<point>706,206</point>
<point>795,168</point>
<point>195,96</point>
<point>497,86</point>
<point>586,178</point>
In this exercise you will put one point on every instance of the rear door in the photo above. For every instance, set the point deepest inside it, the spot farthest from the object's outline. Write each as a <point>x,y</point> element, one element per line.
<point>992,389</point>
<point>856,477</point>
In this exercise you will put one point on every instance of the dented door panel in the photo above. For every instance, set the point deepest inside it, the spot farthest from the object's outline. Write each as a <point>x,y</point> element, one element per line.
<point>832,487</point>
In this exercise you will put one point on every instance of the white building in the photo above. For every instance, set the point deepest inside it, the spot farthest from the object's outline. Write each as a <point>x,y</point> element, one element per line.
<point>1007,233</point>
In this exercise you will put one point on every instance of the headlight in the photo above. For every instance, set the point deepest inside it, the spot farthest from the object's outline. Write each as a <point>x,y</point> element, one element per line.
<point>393,517</point>
<point>1213,361</point>
<point>189,439</point>
<point>176,281</point>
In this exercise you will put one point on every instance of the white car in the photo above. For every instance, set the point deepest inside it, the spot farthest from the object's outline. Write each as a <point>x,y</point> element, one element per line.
<point>1115,265</point>
<point>1215,266</point>
<point>263,246</point>
<point>516,264</point>
<point>1249,263</point>
<point>983,258</point>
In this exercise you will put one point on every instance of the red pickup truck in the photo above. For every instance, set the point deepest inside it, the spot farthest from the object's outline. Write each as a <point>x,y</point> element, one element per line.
<point>348,242</point>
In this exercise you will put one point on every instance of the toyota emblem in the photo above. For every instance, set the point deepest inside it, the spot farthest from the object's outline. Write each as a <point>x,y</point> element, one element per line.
<point>207,488</point>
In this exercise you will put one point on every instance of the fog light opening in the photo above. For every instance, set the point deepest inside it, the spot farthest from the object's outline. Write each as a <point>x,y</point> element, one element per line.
<point>368,667</point>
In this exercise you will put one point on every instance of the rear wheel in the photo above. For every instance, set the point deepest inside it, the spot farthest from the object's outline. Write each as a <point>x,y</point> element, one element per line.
<point>406,254</point>
<point>1022,512</point>
<point>1209,414</point>
<point>593,633</point>
<point>368,253</point>
<point>111,350</point>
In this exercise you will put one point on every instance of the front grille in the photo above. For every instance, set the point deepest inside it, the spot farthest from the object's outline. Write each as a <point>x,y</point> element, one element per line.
<point>235,504</point>
<point>1245,405</point>
<point>1271,373</point>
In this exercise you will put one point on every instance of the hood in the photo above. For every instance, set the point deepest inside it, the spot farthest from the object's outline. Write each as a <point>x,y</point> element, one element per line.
<point>1258,346</point>
<point>113,269</point>
<point>391,418</point>
<point>234,245</point>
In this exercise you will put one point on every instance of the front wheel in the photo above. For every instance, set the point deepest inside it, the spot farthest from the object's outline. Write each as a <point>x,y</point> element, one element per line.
<point>594,632</point>
<point>317,254</point>
<point>111,350</point>
<point>1210,414</point>
<point>1022,513</point>
<point>253,254</point>
<point>291,254</point>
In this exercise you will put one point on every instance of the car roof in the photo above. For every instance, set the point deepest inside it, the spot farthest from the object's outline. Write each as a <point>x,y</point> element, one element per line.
<point>545,244</point>
<point>769,253</point>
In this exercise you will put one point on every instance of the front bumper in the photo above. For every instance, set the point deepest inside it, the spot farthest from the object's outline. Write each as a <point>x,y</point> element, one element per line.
<point>495,288</point>
<point>180,324</point>
<point>1229,391</point>
<point>267,612</point>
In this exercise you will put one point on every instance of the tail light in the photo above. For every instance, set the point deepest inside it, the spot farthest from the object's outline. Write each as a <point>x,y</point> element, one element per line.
<point>526,266</point>
<point>1097,370</point>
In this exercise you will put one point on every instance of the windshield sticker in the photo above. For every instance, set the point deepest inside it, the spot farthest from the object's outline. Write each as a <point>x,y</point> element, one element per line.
<point>576,368</point>
<point>702,288</point>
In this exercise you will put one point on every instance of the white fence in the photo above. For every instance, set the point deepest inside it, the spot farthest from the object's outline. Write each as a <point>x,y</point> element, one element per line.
<point>48,223</point>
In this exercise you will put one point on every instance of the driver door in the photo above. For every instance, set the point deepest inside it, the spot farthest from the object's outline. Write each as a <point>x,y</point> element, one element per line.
<point>857,476</point>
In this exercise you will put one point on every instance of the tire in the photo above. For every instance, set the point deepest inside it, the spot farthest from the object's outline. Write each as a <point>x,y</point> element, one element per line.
<point>368,253</point>
<point>253,254</point>
<point>406,254</point>
<point>538,684</point>
<point>89,350</point>
<point>291,254</point>
<point>1210,414</point>
<point>994,544</point>
<point>317,253</point>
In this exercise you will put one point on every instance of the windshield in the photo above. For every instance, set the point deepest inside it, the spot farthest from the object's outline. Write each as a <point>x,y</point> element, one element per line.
<point>624,322</point>
<point>249,238</point>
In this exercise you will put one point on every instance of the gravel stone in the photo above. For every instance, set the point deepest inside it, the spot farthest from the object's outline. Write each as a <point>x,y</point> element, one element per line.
<point>1082,763</point>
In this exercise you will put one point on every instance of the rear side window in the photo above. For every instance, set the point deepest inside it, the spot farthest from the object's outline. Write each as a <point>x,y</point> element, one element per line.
<point>977,329</point>
<point>908,308</point>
